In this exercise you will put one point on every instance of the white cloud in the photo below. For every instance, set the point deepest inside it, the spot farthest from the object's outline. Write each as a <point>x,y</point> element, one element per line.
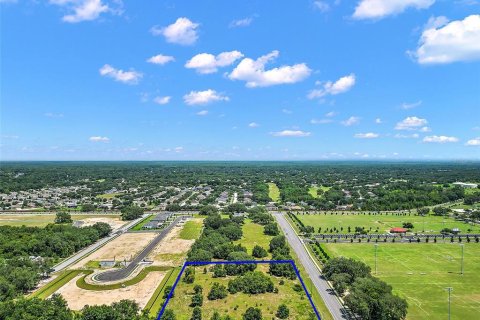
<point>439,139</point>
<point>411,123</point>
<point>286,111</point>
<point>473,142</point>
<point>425,129</point>
<point>178,149</point>
<point>208,63</point>
<point>378,121</point>
<point>202,113</point>
<point>291,133</point>
<point>369,135</point>
<point>203,97</point>
<point>331,114</point>
<point>99,139</point>
<point>161,59</point>
<point>129,77</point>
<point>333,88</point>
<point>245,22</point>
<point>162,100</point>
<point>351,121</point>
<point>183,31</point>
<point>82,10</point>
<point>53,115</point>
<point>253,125</point>
<point>321,121</point>
<point>323,6</point>
<point>254,74</point>
<point>377,9</point>
<point>407,136</point>
<point>456,41</point>
<point>408,106</point>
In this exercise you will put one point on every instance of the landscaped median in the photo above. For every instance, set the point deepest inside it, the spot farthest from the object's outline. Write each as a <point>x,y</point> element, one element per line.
<point>158,298</point>
<point>56,284</point>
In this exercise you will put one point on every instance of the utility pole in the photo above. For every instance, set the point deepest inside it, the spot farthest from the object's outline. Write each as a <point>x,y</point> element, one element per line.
<point>376,247</point>
<point>463,251</point>
<point>449,299</point>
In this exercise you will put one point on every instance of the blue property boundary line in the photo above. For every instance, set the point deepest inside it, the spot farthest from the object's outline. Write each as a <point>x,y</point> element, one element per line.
<point>203,263</point>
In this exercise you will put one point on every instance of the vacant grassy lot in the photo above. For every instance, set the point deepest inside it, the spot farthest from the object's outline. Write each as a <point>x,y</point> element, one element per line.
<point>313,190</point>
<point>235,305</point>
<point>41,220</point>
<point>192,229</point>
<point>109,195</point>
<point>421,272</point>
<point>433,224</point>
<point>273,191</point>
<point>252,236</point>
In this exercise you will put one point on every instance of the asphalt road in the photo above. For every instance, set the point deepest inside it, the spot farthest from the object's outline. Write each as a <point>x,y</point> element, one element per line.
<point>331,300</point>
<point>122,273</point>
<point>86,251</point>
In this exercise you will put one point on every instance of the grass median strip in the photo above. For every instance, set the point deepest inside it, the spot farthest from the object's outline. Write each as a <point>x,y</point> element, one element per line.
<point>156,301</point>
<point>81,283</point>
<point>56,284</point>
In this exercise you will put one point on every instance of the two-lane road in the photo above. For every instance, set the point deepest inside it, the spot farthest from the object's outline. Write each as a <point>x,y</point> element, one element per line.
<point>332,302</point>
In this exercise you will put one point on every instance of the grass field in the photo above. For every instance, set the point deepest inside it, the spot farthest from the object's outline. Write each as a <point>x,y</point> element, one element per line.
<point>109,195</point>
<point>41,220</point>
<point>143,222</point>
<point>192,229</point>
<point>273,191</point>
<point>433,224</point>
<point>421,272</point>
<point>313,190</point>
<point>235,305</point>
<point>55,284</point>
<point>156,301</point>
<point>253,235</point>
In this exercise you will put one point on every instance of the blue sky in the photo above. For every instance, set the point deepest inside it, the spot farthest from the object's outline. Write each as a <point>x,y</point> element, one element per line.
<point>240,80</point>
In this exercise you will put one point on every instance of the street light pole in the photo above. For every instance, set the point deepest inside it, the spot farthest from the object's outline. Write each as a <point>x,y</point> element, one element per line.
<point>376,247</point>
<point>463,251</point>
<point>449,299</point>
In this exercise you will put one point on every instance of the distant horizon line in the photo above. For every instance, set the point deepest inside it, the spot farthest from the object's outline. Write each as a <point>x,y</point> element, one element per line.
<point>251,160</point>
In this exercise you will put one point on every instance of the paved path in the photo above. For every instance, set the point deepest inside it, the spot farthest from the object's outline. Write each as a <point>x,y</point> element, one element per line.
<point>120,274</point>
<point>86,251</point>
<point>330,299</point>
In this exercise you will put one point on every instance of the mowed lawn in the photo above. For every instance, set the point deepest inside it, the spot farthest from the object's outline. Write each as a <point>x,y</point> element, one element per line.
<point>273,191</point>
<point>41,220</point>
<point>421,272</point>
<point>192,229</point>
<point>235,305</point>
<point>313,190</point>
<point>433,224</point>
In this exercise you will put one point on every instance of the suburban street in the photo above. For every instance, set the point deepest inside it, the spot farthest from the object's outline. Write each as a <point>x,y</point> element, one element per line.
<point>65,263</point>
<point>331,300</point>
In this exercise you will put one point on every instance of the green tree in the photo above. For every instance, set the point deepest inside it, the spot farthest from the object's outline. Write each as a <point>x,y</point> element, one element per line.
<point>218,291</point>
<point>38,309</point>
<point>189,275</point>
<point>196,314</point>
<point>169,314</point>
<point>252,314</point>
<point>208,210</point>
<point>259,252</point>
<point>197,300</point>
<point>282,312</point>
<point>271,229</point>
<point>63,217</point>
<point>131,212</point>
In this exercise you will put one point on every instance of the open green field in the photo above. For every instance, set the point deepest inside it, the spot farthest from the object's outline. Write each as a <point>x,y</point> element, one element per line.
<point>433,224</point>
<point>143,222</point>
<point>313,190</point>
<point>253,235</point>
<point>273,191</point>
<point>421,272</point>
<point>55,284</point>
<point>235,305</point>
<point>109,195</point>
<point>192,229</point>
<point>41,220</point>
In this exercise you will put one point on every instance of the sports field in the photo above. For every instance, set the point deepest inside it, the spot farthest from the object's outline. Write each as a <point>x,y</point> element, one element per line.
<point>41,220</point>
<point>273,191</point>
<point>431,224</point>
<point>421,272</point>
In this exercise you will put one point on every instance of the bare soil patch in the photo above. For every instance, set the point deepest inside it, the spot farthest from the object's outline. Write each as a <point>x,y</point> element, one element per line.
<point>171,250</point>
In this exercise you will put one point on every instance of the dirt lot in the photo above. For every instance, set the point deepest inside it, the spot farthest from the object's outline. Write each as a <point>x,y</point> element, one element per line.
<point>114,222</point>
<point>125,246</point>
<point>171,250</point>
<point>141,292</point>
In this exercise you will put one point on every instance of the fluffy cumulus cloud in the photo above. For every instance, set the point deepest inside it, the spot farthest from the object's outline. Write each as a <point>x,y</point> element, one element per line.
<point>99,139</point>
<point>443,42</point>
<point>254,74</point>
<point>377,9</point>
<point>128,77</point>
<point>411,123</point>
<point>202,113</point>
<point>82,10</point>
<point>203,97</point>
<point>183,31</point>
<point>333,88</point>
<point>162,100</point>
<point>439,139</point>
<point>208,63</point>
<point>408,106</point>
<point>253,125</point>
<point>368,135</point>
<point>473,142</point>
<point>291,133</point>
<point>351,121</point>
<point>161,59</point>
